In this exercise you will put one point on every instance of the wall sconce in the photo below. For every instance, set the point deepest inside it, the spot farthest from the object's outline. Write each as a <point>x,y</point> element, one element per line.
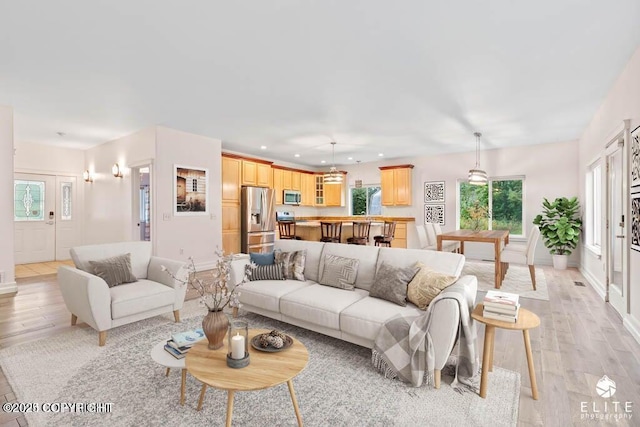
<point>115,170</point>
<point>86,175</point>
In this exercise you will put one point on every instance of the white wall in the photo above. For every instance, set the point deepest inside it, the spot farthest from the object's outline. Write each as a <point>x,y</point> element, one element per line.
<point>6,193</point>
<point>621,103</point>
<point>108,216</point>
<point>39,158</point>
<point>550,170</point>
<point>197,236</point>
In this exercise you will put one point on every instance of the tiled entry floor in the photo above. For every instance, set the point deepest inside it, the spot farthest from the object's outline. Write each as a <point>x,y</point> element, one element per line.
<point>39,268</point>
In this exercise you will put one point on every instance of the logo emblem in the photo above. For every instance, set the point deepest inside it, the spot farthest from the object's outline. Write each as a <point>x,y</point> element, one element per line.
<point>606,387</point>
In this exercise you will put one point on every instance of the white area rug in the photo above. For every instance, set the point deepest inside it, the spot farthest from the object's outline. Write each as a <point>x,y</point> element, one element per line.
<point>517,280</point>
<point>338,386</point>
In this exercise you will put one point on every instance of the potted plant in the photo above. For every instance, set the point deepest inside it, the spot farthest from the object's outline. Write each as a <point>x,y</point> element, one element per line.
<point>560,227</point>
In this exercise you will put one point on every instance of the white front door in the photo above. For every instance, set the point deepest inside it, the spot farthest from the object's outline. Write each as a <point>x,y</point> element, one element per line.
<point>68,213</point>
<point>34,214</point>
<point>616,263</point>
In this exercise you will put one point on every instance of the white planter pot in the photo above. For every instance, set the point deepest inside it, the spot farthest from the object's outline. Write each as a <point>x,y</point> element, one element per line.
<point>560,262</point>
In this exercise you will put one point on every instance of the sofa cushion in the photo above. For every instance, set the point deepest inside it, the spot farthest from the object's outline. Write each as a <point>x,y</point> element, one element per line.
<point>318,304</point>
<point>391,283</point>
<point>292,263</point>
<point>140,255</point>
<point>138,297</point>
<point>264,272</point>
<point>266,294</point>
<point>426,285</point>
<point>443,262</point>
<point>367,255</point>
<point>115,270</point>
<point>262,258</point>
<point>312,260</point>
<point>339,272</point>
<point>365,317</point>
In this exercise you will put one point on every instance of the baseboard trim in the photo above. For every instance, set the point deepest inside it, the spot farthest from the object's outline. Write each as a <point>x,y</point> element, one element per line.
<point>595,283</point>
<point>8,288</point>
<point>633,326</point>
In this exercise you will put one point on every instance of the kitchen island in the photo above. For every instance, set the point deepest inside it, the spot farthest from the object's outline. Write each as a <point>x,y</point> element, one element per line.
<point>308,228</point>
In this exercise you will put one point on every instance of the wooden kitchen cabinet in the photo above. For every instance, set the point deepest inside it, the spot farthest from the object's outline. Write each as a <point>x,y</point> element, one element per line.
<point>307,184</point>
<point>296,181</point>
<point>231,169</point>
<point>286,179</point>
<point>249,173</point>
<point>333,194</point>
<point>277,184</point>
<point>395,182</point>
<point>264,178</point>
<point>400,236</point>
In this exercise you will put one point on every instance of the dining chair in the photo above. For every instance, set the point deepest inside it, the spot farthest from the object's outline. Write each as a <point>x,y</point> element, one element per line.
<point>388,233</point>
<point>432,233</point>
<point>360,233</point>
<point>515,255</point>
<point>423,240</point>
<point>287,230</point>
<point>331,231</point>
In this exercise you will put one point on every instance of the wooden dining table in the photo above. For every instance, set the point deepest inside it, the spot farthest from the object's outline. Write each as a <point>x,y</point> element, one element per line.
<point>497,237</point>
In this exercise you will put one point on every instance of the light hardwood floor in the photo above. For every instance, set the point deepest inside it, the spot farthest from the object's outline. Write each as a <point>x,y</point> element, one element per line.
<point>580,339</point>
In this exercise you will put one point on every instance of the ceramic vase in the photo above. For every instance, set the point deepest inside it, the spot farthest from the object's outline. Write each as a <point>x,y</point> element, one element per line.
<point>215,325</point>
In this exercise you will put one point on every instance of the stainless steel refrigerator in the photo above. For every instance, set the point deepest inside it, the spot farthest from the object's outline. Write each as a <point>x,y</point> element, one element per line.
<point>257,219</point>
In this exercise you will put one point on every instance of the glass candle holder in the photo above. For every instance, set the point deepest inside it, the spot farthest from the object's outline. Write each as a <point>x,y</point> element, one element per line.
<point>238,344</point>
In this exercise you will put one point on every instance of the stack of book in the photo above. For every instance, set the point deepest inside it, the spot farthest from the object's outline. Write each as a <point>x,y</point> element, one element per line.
<point>501,306</point>
<point>181,343</point>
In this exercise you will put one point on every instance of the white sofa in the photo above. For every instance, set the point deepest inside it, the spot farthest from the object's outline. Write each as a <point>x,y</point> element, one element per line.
<point>354,316</point>
<point>89,299</point>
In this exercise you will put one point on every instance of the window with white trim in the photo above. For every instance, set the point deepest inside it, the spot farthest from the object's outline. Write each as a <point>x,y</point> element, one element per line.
<point>366,200</point>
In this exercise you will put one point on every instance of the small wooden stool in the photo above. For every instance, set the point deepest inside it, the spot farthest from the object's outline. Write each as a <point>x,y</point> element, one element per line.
<point>526,320</point>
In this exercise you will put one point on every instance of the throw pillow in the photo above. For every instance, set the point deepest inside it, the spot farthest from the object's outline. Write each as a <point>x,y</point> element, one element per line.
<point>264,272</point>
<point>339,272</point>
<point>426,285</point>
<point>292,263</point>
<point>115,270</point>
<point>391,283</point>
<point>262,259</point>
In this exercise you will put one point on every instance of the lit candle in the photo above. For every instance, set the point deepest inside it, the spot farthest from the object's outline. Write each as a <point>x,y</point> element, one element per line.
<point>237,347</point>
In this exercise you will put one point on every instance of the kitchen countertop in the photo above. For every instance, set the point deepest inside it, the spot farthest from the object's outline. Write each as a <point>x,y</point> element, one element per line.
<point>307,223</point>
<point>350,218</point>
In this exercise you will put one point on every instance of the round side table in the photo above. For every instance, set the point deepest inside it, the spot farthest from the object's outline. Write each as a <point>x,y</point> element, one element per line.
<point>526,320</point>
<point>160,356</point>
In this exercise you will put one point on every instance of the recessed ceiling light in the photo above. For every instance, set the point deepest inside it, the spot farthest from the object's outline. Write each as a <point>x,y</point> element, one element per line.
<point>263,147</point>
<point>323,161</point>
<point>296,155</point>
<point>380,154</point>
<point>349,158</point>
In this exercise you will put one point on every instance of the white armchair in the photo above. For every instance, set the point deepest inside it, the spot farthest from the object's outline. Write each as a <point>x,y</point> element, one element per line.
<point>520,254</point>
<point>90,299</point>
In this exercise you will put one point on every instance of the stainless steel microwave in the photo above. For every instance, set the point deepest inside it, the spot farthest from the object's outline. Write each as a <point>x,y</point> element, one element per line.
<point>291,197</point>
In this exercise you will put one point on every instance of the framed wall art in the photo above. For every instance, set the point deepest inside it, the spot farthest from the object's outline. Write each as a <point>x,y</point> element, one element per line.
<point>635,158</point>
<point>635,221</point>
<point>191,185</point>
<point>434,213</point>
<point>434,192</point>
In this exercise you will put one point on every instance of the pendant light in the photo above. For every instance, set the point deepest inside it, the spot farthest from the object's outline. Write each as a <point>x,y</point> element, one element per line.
<point>333,176</point>
<point>476,175</point>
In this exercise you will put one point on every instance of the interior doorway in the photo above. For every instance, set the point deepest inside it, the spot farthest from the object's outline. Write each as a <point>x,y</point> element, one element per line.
<point>141,220</point>
<point>615,230</point>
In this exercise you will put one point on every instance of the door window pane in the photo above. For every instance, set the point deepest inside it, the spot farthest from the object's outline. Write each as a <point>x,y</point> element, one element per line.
<point>474,206</point>
<point>366,201</point>
<point>66,202</point>
<point>28,200</point>
<point>506,206</point>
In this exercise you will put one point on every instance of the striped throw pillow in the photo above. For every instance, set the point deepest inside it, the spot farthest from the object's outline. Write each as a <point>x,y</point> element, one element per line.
<point>115,270</point>
<point>265,272</point>
<point>339,272</point>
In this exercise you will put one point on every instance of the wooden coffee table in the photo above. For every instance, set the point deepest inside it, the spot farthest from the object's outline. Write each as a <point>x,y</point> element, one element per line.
<point>265,370</point>
<point>526,320</point>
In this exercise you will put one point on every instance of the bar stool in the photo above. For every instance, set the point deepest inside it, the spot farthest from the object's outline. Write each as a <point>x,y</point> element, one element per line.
<point>361,230</point>
<point>331,231</point>
<point>287,230</point>
<point>388,232</point>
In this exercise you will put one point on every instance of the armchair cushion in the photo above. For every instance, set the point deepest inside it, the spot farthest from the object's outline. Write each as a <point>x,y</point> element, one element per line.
<point>139,297</point>
<point>115,270</point>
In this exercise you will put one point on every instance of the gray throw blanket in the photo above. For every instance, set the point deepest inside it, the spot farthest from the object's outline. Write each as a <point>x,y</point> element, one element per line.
<point>404,349</point>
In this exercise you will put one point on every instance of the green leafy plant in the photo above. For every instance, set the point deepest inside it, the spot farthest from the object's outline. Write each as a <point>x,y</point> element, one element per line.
<point>560,225</point>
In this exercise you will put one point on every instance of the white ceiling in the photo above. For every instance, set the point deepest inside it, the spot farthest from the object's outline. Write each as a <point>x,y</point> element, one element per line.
<point>400,78</point>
